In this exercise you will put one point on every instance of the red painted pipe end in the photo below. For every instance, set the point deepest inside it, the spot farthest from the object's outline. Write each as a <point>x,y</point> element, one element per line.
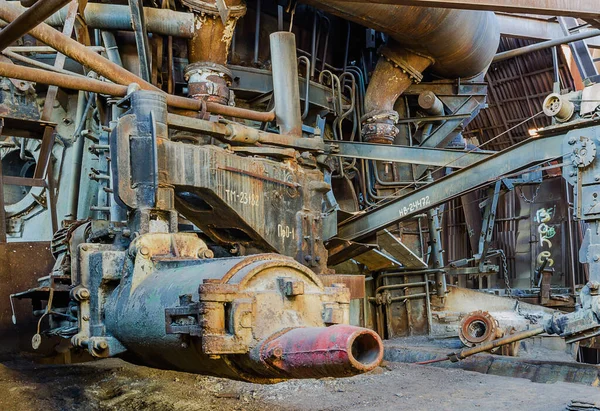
<point>317,352</point>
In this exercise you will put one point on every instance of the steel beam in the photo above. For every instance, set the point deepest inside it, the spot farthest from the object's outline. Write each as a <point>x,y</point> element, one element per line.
<point>585,9</point>
<point>537,28</point>
<point>453,185</point>
<point>545,45</point>
<point>405,154</point>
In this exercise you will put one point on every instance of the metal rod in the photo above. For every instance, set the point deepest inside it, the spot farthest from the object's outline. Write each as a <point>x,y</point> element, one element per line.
<point>78,145</point>
<point>45,49</point>
<point>141,38</point>
<point>257,32</point>
<point>545,45</point>
<point>102,87</point>
<point>33,16</point>
<point>496,343</point>
<point>38,64</point>
<point>400,286</point>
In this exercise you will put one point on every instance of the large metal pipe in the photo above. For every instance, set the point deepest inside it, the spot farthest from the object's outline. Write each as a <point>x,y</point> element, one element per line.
<point>30,18</point>
<point>317,352</point>
<point>244,324</point>
<point>461,42</point>
<point>396,70</point>
<point>545,45</point>
<point>213,32</point>
<point>103,87</point>
<point>118,17</point>
<point>285,83</point>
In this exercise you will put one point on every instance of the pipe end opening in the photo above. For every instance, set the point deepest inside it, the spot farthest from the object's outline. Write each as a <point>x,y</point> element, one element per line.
<point>367,350</point>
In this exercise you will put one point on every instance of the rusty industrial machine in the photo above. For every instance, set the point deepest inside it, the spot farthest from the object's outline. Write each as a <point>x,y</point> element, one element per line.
<point>238,189</point>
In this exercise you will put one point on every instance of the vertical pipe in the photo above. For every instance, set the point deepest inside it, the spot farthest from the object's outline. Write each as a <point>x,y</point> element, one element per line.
<point>436,248</point>
<point>77,162</point>
<point>257,32</point>
<point>110,45</point>
<point>556,88</point>
<point>285,83</point>
<point>313,49</point>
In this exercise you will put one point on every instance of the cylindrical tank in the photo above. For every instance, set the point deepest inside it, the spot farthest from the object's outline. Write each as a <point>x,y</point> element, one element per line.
<point>207,316</point>
<point>462,42</point>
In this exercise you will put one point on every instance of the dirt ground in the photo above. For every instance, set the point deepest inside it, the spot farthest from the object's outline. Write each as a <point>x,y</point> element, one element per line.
<point>117,385</point>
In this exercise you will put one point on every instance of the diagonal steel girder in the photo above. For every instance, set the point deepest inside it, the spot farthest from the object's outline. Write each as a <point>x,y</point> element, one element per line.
<point>511,160</point>
<point>585,9</point>
<point>404,154</point>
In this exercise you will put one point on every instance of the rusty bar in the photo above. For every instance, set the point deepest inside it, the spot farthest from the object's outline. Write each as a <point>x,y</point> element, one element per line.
<point>33,16</point>
<point>50,190</point>
<point>36,63</point>
<point>45,49</point>
<point>102,87</point>
<point>75,50</point>
<point>495,344</point>
<point>61,80</point>
<point>43,162</point>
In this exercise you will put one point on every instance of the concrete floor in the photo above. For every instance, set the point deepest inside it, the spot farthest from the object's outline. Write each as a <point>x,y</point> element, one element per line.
<point>117,385</point>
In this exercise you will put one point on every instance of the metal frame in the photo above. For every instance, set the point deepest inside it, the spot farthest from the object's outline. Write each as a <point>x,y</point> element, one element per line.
<point>400,208</point>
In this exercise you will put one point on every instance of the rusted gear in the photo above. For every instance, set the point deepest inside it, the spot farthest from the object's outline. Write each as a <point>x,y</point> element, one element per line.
<point>478,327</point>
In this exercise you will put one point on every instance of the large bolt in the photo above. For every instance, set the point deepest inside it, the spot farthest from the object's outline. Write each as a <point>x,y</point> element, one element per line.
<point>82,294</point>
<point>206,254</point>
<point>144,251</point>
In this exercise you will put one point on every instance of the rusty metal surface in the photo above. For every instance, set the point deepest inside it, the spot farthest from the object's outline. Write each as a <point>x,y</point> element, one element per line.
<point>33,16</point>
<point>96,86</point>
<point>231,198</point>
<point>462,43</point>
<point>19,273</point>
<point>213,35</point>
<point>355,283</point>
<point>336,351</point>
<point>478,327</point>
<point>116,73</point>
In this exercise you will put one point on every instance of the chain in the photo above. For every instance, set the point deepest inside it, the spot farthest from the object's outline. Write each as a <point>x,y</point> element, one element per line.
<point>505,269</point>
<point>537,190</point>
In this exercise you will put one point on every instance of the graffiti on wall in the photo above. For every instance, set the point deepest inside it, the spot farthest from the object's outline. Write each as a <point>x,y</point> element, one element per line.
<point>543,216</point>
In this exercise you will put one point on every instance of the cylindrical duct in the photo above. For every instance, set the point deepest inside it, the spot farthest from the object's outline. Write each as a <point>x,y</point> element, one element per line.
<point>285,83</point>
<point>462,42</point>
